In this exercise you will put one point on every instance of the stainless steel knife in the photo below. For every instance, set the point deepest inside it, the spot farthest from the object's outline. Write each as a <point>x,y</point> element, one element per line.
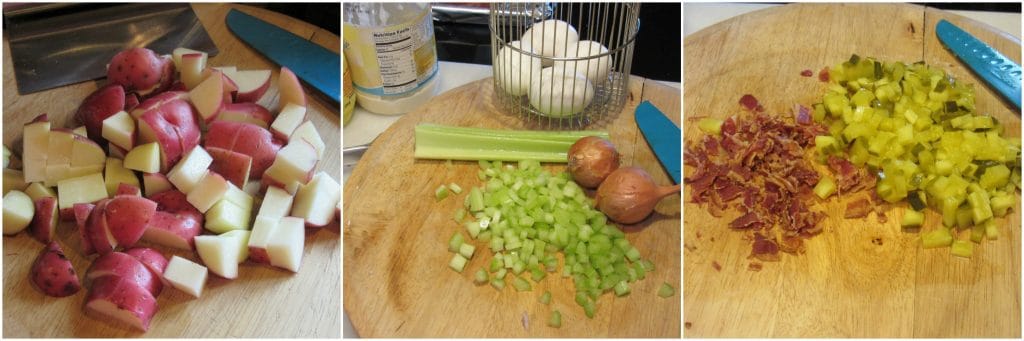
<point>663,136</point>
<point>314,64</point>
<point>998,71</point>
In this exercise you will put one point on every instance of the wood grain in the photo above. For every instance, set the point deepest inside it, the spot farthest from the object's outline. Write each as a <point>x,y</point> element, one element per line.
<point>397,283</point>
<point>859,278</point>
<point>262,302</point>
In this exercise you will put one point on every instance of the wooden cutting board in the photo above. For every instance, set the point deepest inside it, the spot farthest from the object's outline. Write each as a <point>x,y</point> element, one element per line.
<point>262,302</point>
<point>397,280</point>
<point>859,278</point>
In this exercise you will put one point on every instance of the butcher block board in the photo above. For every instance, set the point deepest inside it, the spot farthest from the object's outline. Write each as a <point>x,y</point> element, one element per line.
<point>859,278</point>
<point>397,280</point>
<point>262,302</point>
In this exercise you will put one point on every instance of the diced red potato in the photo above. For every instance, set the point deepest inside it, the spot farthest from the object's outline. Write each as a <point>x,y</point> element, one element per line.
<point>44,222</point>
<point>137,69</point>
<point>175,230</point>
<point>127,189</point>
<point>119,264</point>
<point>174,201</point>
<point>98,106</point>
<point>233,166</point>
<point>168,119</point>
<point>246,112</point>
<point>53,273</point>
<point>152,259</point>
<point>82,212</point>
<point>98,232</point>
<point>131,101</point>
<point>248,139</point>
<point>127,216</point>
<point>117,299</point>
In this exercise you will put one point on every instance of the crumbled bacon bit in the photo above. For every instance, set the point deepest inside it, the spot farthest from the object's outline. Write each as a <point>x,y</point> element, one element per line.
<point>714,264</point>
<point>823,74</point>
<point>757,165</point>
<point>688,325</point>
<point>807,73</point>
<point>754,266</point>
<point>858,209</point>
<point>698,235</point>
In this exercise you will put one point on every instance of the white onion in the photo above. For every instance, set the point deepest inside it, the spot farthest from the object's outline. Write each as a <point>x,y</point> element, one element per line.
<point>514,69</point>
<point>595,69</point>
<point>560,92</point>
<point>551,38</point>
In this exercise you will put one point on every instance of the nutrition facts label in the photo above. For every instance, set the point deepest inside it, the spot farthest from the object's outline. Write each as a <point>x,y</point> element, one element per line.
<point>397,59</point>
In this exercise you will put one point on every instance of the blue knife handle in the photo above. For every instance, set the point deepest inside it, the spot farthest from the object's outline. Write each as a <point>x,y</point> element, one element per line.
<point>1000,72</point>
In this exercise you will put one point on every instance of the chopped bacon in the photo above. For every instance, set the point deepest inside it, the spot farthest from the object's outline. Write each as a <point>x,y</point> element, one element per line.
<point>807,73</point>
<point>759,166</point>
<point>823,74</point>
<point>714,264</point>
<point>858,209</point>
<point>750,102</point>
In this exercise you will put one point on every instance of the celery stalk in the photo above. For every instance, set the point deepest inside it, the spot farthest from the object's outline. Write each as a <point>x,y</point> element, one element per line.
<point>458,143</point>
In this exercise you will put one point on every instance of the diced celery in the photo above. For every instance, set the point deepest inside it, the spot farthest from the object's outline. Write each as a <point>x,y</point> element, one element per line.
<point>476,200</point>
<point>460,214</point>
<point>481,277</point>
<point>556,319</point>
<point>466,250</point>
<point>621,288</point>
<point>912,218</point>
<point>962,248</point>
<point>455,188</point>
<point>495,264</point>
<point>545,298</point>
<point>521,284</point>
<point>666,290</point>
<point>455,242</point>
<point>498,283</point>
<point>440,193</point>
<point>458,263</point>
<point>647,265</point>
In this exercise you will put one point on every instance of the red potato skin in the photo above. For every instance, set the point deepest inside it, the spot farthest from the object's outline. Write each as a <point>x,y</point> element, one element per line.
<point>259,255</point>
<point>172,120</point>
<point>136,69</point>
<point>42,227</point>
<point>119,264</point>
<point>127,216</point>
<point>82,212</point>
<point>98,106</point>
<point>174,201</point>
<point>130,102</point>
<point>126,189</point>
<point>233,166</point>
<point>183,227</point>
<point>53,273</point>
<point>96,228</point>
<point>124,294</point>
<point>152,259</point>
<point>248,139</point>
<point>251,110</point>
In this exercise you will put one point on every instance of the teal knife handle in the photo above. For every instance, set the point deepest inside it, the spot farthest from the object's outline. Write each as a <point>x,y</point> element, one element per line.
<point>1000,72</point>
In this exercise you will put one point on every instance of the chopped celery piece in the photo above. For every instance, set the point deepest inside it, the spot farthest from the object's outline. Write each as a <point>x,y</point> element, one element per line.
<point>498,283</point>
<point>455,242</point>
<point>440,193</point>
<point>647,265</point>
<point>666,290</point>
<point>476,200</point>
<point>459,143</point>
<point>912,218</point>
<point>455,188</point>
<point>459,215</point>
<point>466,250</point>
<point>825,187</point>
<point>481,277</point>
<point>938,238</point>
<point>521,284</point>
<point>962,248</point>
<point>556,319</point>
<point>495,264</point>
<point>710,126</point>
<point>621,288</point>
<point>538,274</point>
<point>458,263</point>
<point>545,298</point>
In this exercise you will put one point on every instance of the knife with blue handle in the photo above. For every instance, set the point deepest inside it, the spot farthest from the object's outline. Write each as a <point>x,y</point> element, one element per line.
<point>998,71</point>
<point>317,66</point>
<point>663,136</point>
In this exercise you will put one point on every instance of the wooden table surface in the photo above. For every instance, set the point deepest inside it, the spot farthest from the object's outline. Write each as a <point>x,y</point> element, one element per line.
<point>859,278</point>
<point>397,280</point>
<point>262,302</point>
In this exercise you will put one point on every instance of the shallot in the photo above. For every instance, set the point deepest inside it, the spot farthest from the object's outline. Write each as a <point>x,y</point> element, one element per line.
<point>591,160</point>
<point>628,195</point>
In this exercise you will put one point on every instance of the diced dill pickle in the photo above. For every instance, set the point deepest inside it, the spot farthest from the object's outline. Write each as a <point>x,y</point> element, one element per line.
<point>710,126</point>
<point>912,218</point>
<point>962,248</point>
<point>825,187</point>
<point>937,238</point>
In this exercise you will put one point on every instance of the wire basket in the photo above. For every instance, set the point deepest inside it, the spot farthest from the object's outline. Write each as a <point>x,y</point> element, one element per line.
<point>562,66</point>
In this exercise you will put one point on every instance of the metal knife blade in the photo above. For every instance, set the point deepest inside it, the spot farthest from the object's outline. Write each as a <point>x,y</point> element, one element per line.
<point>662,136</point>
<point>998,71</point>
<point>317,66</point>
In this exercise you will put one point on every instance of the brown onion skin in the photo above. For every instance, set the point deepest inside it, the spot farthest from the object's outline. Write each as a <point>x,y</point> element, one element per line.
<point>628,195</point>
<point>591,160</point>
